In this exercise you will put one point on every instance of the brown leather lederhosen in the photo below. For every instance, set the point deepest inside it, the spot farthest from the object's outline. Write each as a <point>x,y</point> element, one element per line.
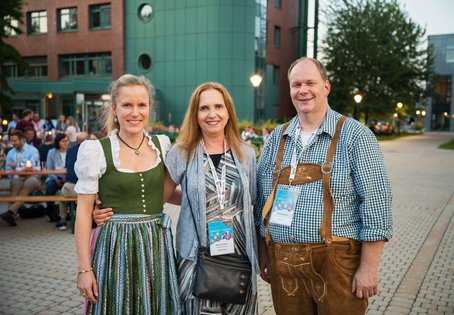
<point>307,173</point>
<point>305,277</point>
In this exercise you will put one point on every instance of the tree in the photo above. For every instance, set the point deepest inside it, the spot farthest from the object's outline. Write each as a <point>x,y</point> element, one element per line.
<point>10,19</point>
<point>373,48</point>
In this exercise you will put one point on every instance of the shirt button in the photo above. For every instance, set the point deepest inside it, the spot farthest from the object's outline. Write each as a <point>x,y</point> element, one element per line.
<point>143,196</point>
<point>143,185</point>
<point>144,206</point>
<point>143,200</point>
<point>140,174</point>
<point>144,210</point>
<point>143,190</point>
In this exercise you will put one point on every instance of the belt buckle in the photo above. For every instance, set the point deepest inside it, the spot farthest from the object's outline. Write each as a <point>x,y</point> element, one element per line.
<point>330,166</point>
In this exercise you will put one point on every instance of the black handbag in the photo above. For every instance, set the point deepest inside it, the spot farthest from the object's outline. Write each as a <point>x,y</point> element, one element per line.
<point>224,278</point>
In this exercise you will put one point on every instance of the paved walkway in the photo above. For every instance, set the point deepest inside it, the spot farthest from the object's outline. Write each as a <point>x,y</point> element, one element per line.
<point>38,262</point>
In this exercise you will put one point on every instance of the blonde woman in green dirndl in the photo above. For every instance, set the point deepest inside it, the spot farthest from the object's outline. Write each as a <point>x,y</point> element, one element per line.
<point>130,266</point>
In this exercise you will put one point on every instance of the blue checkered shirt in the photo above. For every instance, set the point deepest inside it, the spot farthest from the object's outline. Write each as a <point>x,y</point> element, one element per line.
<point>359,183</point>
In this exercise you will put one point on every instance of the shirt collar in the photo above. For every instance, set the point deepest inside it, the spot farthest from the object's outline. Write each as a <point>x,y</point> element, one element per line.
<point>328,124</point>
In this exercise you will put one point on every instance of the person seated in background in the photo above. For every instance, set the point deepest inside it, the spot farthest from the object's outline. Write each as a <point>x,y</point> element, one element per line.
<point>44,148</point>
<point>25,121</point>
<point>48,125</point>
<point>72,129</point>
<point>55,161</point>
<point>31,138</point>
<point>12,124</point>
<point>67,189</point>
<point>37,124</point>
<point>61,124</point>
<point>22,155</point>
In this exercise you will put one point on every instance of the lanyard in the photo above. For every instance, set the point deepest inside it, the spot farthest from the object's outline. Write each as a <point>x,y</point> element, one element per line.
<point>220,183</point>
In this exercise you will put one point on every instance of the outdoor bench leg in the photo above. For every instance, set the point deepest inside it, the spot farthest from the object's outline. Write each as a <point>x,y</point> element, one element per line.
<point>72,214</point>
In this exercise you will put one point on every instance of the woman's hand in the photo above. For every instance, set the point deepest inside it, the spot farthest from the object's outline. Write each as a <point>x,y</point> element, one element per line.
<point>86,283</point>
<point>101,215</point>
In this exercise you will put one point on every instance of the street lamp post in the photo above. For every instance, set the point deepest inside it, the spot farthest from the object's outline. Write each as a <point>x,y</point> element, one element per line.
<point>256,80</point>
<point>358,98</point>
<point>399,107</point>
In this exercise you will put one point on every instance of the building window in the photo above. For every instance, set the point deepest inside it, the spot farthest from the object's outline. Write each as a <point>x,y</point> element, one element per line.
<point>145,62</point>
<point>86,65</point>
<point>100,17</point>
<point>442,90</point>
<point>277,4</point>
<point>10,28</point>
<point>11,70</point>
<point>37,68</point>
<point>450,54</point>
<point>145,12</point>
<point>37,22</point>
<point>67,19</point>
<point>277,37</point>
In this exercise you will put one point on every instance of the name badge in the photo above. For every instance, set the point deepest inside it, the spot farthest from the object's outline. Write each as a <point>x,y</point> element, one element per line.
<point>284,207</point>
<point>221,238</point>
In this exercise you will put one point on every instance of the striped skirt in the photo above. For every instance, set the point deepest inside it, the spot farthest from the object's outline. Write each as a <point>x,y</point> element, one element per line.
<point>134,265</point>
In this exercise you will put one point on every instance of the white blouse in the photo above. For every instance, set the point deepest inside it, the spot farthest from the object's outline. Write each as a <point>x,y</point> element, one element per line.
<point>91,161</point>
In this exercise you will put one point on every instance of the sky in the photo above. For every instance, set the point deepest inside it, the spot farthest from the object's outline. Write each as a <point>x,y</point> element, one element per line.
<point>437,16</point>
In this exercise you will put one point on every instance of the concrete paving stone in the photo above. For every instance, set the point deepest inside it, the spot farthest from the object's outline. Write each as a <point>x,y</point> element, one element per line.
<point>71,303</point>
<point>397,310</point>
<point>48,312</point>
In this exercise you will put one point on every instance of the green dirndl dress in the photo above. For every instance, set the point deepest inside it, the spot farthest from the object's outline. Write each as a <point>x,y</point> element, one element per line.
<point>132,254</point>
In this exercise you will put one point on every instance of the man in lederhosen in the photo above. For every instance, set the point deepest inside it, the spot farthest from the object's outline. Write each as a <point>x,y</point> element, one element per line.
<point>324,204</point>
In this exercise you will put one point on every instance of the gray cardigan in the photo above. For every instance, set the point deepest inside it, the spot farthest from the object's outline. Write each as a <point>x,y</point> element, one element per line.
<point>186,238</point>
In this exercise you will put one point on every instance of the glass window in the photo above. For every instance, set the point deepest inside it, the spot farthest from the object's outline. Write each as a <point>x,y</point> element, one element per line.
<point>86,65</point>
<point>37,67</point>
<point>145,12</point>
<point>67,19</point>
<point>277,4</point>
<point>145,61</point>
<point>100,16</point>
<point>277,37</point>
<point>37,22</point>
<point>10,29</point>
<point>450,54</point>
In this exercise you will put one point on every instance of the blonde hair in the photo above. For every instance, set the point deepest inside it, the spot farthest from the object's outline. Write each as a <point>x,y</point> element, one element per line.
<point>108,117</point>
<point>190,132</point>
<point>72,122</point>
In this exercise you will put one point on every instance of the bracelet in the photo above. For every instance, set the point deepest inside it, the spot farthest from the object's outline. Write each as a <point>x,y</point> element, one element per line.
<point>84,271</point>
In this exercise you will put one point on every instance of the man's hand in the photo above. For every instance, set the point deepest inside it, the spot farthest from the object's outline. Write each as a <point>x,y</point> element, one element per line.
<point>101,215</point>
<point>365,279</point>
<point>365,282</point>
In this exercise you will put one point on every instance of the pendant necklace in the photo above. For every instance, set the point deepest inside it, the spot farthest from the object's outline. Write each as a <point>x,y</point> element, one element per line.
<point>136,150</point>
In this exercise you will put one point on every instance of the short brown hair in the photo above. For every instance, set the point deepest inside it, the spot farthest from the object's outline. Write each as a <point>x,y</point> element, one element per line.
<point>17,133</point>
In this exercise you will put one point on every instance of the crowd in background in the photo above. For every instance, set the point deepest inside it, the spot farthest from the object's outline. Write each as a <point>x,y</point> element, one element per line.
<point>45,144</point>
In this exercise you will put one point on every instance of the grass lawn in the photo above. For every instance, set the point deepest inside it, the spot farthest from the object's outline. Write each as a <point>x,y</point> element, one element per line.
<point>448,145</point>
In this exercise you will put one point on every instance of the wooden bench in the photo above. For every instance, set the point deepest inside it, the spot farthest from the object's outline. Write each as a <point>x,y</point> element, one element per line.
<point>46,198</point>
